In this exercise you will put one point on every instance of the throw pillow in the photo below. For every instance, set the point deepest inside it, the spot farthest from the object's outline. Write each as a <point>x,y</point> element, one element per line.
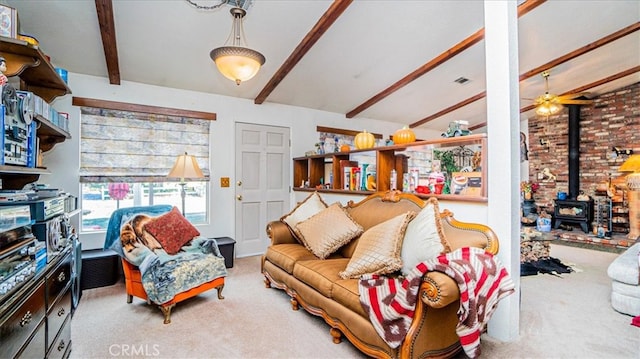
<point>328,230</point>
<point>305,209</point>
<point>172,230</point>
<point>424,238</point>
<point>378,250</point>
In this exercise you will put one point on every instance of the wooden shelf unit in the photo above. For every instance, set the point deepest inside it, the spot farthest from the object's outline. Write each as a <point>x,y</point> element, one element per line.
<point>36,75</point>
<point>312,168</point>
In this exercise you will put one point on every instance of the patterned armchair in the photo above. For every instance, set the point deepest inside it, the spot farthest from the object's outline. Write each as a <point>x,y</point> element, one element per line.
<point>155,273</point>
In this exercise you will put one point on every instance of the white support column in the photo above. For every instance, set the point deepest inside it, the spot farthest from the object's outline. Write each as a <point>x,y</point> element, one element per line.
<point>503,128</point>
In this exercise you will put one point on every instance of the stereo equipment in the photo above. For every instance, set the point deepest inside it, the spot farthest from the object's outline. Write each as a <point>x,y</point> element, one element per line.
<point>18,129</point>
<point>42,209</point>
<point>17,260</point>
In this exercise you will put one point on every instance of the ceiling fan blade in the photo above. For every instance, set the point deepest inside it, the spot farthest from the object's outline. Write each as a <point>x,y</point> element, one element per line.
<point>575,102</point>
<point>574,95</point>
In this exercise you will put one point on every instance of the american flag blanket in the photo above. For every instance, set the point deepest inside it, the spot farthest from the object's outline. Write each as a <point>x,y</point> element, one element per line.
<point>482,280</point>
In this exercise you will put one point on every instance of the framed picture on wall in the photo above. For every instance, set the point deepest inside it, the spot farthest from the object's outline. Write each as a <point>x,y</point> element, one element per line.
<point>8,21</point>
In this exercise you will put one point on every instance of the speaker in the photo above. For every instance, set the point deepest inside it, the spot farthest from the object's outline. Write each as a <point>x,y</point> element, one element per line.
<point>100,268</point>
<point>76,271</point>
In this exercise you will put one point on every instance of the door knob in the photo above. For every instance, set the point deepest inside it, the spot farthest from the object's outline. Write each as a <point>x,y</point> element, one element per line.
<point>239,197</point>
<point>239,183</point>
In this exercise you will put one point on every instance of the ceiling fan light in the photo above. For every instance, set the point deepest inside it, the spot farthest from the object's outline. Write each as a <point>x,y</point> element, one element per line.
<point>548,108</point>
<point>237,63</point>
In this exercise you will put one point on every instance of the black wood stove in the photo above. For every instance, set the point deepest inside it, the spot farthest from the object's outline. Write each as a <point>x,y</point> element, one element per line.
<point>572,210</point>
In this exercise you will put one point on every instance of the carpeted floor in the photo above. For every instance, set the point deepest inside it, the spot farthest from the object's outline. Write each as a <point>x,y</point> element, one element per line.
<point>565,316</point>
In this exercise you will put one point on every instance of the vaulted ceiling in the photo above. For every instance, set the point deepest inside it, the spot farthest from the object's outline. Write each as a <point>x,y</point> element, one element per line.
<point>386,60</point>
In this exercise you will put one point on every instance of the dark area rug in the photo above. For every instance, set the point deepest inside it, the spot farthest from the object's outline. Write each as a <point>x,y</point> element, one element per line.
<point>548,265</point>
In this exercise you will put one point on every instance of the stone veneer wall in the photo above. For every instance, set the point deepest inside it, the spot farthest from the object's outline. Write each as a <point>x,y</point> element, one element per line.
<point>613,120</point>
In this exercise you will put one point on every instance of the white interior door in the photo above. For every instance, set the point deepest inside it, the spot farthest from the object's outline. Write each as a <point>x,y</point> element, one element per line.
<point>262,183</point>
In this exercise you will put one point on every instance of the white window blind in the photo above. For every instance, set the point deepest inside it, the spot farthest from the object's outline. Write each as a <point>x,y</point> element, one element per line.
<point>123,146</point>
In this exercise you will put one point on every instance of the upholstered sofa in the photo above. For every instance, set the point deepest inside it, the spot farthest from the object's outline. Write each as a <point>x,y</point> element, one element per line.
<point>624,272</point>
<point>317,285</point>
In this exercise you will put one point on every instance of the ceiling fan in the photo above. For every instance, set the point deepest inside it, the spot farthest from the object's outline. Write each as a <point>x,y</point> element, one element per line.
<point>550,104</point>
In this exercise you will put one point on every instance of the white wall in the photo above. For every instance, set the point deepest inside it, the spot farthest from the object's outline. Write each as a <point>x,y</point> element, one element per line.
<point>63,159</point>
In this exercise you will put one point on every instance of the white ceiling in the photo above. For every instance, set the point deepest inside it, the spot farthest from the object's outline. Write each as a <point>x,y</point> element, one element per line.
<point>370,46</point>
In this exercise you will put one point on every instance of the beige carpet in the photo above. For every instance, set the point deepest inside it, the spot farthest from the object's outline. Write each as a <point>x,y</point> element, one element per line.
<point>561,317</point>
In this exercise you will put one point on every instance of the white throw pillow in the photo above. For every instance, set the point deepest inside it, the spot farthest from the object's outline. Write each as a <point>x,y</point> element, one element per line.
<point>424,238</point>
<point>304,210</point>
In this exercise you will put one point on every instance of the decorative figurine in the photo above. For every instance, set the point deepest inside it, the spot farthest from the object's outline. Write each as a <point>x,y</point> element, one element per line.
<point>547,175</point>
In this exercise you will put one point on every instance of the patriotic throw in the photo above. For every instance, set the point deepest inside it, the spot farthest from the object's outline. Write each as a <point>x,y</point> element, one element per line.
<point>482,281</point>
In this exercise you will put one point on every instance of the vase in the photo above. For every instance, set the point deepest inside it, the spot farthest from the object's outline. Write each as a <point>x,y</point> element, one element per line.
<point>528,196</point>
<point>528,207</point>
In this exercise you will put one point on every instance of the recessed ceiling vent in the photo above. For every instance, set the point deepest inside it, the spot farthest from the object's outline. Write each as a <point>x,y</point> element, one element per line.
<point>461,80</point>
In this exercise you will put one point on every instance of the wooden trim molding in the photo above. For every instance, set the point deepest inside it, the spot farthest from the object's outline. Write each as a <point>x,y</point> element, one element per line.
<point>104,9</point>
<point>123,106</point>
<point>328,18</point>
<point>340,131</point>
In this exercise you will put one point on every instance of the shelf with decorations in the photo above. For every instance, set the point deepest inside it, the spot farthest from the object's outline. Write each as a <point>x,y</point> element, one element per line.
<point>447,168</point>
<point>30,77</point>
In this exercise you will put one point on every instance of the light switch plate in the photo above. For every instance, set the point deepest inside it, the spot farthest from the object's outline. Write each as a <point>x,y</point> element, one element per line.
<point>224,182</point>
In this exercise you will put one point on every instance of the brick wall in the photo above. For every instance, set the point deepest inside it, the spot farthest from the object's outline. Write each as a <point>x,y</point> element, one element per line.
<point>613,120</point>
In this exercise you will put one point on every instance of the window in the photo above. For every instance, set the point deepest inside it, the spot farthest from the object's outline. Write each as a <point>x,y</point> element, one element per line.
<point>126,156</point>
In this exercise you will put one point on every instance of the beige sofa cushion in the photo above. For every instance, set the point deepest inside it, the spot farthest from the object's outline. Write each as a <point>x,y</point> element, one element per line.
<point>378,250</point>
<point>346,292</point>
<point>286,255</point>
<point>328,230</point>
<point>320,274</point>
<point>424,238</point>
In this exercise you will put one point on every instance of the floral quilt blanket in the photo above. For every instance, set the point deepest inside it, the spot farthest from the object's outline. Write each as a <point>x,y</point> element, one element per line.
<point>164,275</point>
<point>482,281</point>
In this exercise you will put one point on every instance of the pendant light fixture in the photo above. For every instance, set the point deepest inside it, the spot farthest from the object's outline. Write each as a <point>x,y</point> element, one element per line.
<point>234,60</point>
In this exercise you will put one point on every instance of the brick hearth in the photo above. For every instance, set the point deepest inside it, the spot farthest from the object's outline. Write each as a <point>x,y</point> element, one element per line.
<point>613,120</point>
<point>616,241</point>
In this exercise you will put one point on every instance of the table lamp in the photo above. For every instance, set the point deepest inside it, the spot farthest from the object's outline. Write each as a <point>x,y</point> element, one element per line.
<point>632,164</point>
<point>186,166</point>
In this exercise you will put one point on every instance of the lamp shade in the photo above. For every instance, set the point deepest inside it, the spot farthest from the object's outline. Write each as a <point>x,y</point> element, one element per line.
<point>632,164</point>
<point>237,63</point>
<point>186,166</point>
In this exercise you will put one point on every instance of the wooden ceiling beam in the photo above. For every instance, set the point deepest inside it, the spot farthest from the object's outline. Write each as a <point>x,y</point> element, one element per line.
<point>324,23</point>
<point>555,62</point>
<point>581,51</point>
<point>463,103</point>
<point>104,9</point>
<point>586,87</point>
<point>447,55</point>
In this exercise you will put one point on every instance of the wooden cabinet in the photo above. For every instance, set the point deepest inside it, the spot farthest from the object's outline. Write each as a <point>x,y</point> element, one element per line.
<point>36,75</point>
<point>36,323</point>
<point>462,161</point>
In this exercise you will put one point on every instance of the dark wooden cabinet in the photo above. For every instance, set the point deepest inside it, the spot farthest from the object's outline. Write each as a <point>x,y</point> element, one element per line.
<point>36,324</point>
